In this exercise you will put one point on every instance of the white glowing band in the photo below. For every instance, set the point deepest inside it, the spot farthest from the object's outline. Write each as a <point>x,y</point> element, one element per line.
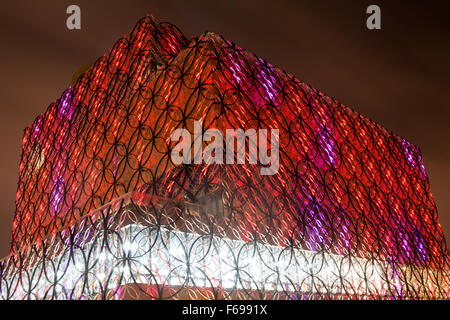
<point>140,255</point>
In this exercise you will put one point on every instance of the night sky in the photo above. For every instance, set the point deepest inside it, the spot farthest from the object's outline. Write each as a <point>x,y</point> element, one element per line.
<point>398,76</point>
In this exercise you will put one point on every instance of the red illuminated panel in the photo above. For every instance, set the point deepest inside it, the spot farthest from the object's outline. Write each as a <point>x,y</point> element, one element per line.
<point>345,184</point>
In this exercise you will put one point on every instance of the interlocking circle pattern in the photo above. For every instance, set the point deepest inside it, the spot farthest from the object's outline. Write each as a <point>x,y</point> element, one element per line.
<point>102,212</point>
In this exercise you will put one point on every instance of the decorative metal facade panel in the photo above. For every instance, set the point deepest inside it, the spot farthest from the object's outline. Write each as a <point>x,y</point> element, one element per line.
<point>103,212</point>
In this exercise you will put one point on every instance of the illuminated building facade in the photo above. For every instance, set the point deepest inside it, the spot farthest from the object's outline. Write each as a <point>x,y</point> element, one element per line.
<point>102,212</point>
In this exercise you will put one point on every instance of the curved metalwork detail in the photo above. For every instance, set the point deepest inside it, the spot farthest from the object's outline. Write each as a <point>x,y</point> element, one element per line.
<point>102,212</point>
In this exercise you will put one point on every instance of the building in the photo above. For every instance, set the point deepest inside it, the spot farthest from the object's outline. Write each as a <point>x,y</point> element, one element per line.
<point>102,211</point>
